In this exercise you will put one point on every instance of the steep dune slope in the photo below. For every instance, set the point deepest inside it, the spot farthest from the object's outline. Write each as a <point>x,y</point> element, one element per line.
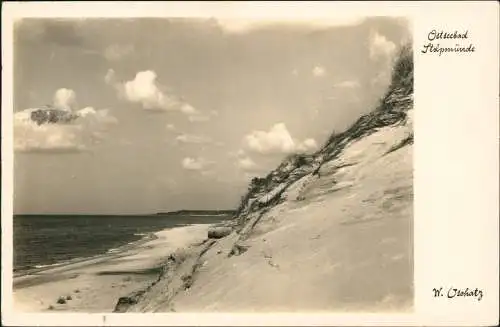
<point>327,232</point>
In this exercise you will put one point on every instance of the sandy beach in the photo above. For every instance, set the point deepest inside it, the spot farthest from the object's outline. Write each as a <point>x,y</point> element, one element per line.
<point>95,284</point>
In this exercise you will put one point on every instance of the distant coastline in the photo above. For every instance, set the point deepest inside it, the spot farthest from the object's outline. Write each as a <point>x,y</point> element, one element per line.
<point>198,213</point>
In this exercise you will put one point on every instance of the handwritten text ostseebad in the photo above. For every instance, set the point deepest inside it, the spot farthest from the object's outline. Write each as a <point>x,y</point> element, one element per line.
<point>448,42</point>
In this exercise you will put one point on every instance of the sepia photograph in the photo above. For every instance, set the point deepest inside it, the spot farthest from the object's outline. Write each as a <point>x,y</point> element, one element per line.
<point>216,166</point>
<point>229,163</point>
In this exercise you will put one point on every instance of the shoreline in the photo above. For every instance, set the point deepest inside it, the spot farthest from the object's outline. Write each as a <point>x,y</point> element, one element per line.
<point>106,255</point>
<point>95,284</point>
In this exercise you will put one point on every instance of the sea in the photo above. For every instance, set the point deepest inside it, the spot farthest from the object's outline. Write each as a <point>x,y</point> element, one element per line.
<point>44,240</point>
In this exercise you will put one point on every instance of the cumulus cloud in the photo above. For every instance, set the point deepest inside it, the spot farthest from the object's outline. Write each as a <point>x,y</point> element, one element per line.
<point>191,164</point>
<point>196,164</point>
<point>276,140</point>
<point>77,135</point>
<point>319,71</point>
<point>65,99</point>
<point>380,46</point>
<point>243,161</point>
<point>45,138</point>
<point>93,116</point>
<point>144,89</point>
<point>51,129</point>
<point>87,111</point>
<point>170,127</point>
<point>188,109</point>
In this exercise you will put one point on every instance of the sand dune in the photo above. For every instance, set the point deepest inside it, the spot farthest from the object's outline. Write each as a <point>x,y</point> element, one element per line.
<point>339,242</point>
<point>330,232</point>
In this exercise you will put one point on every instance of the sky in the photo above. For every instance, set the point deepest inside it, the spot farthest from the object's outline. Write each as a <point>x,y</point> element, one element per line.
<point>181,113</point>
